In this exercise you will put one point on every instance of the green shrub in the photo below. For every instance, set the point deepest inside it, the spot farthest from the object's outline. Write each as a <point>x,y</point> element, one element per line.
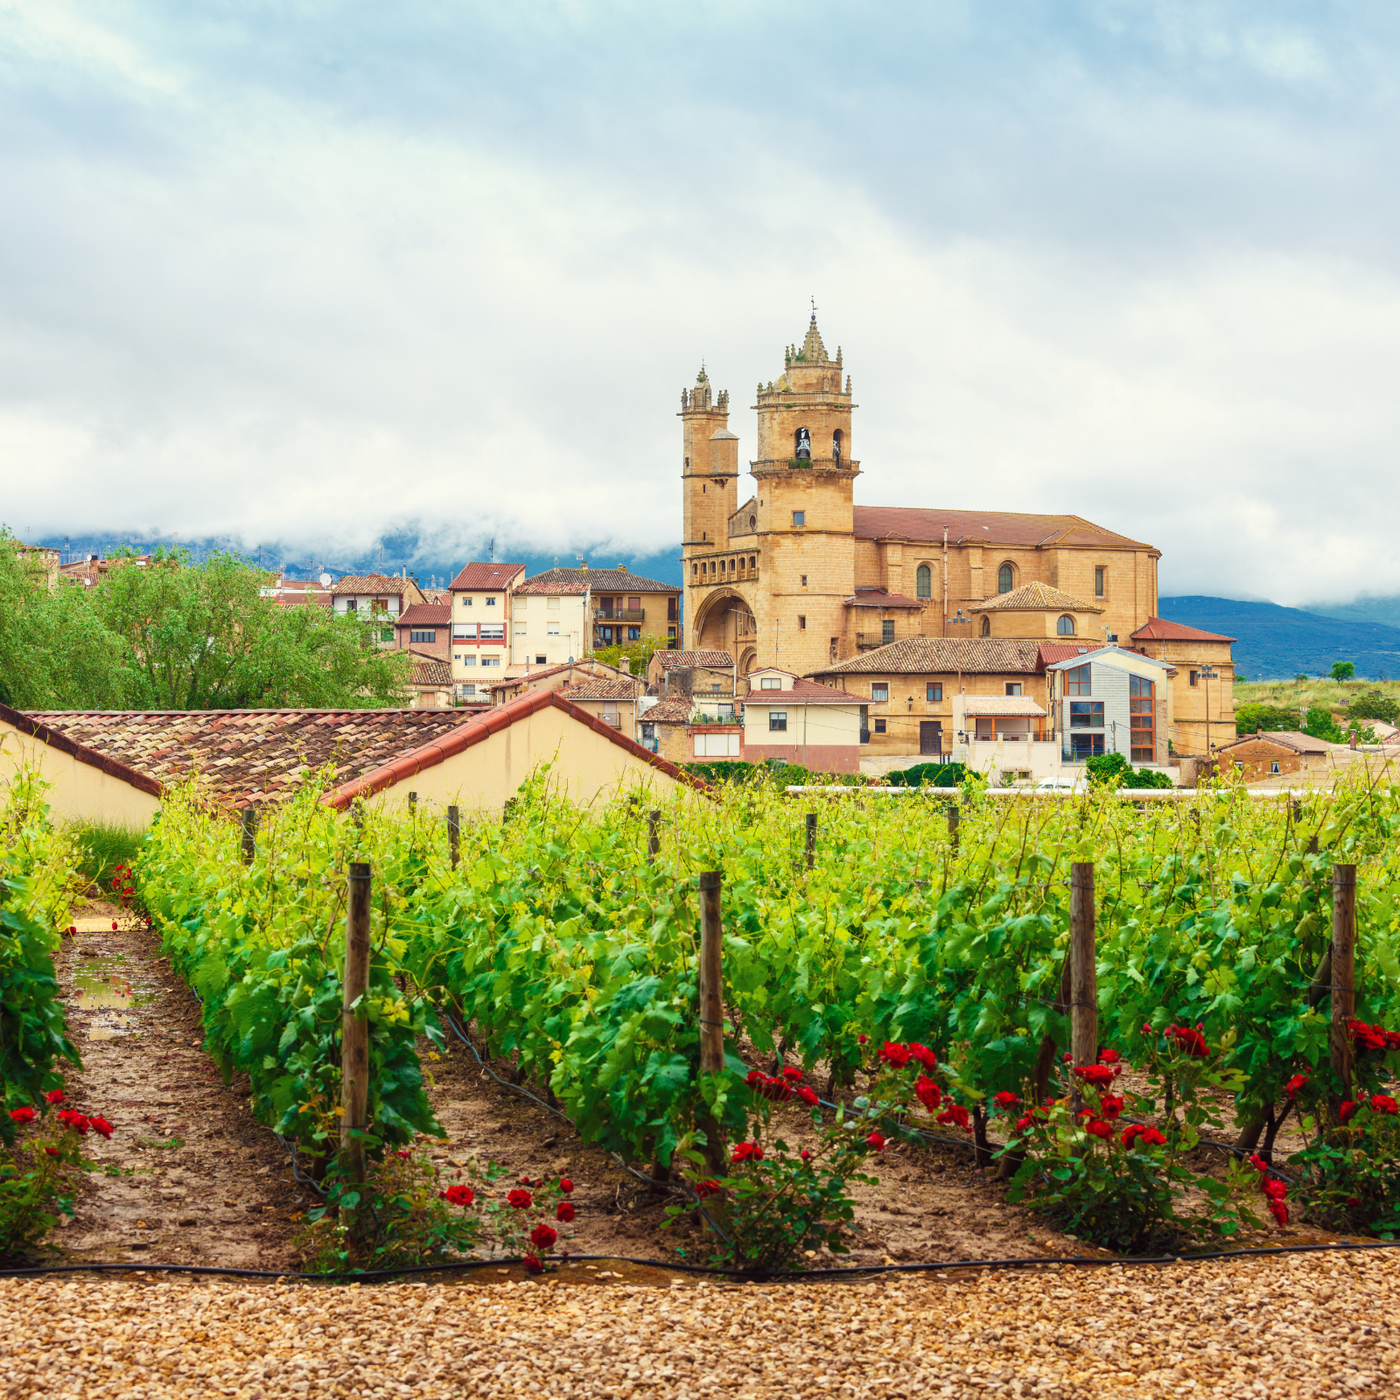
<point>1114,771</point>
<point>1249,719</point>
<point>103,846</point>
<point>1320,725</point>
<point>1374,705</point>
<point>940,775</point>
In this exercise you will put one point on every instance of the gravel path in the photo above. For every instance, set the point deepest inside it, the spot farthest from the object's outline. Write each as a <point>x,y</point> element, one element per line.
<point>1302,1325</point>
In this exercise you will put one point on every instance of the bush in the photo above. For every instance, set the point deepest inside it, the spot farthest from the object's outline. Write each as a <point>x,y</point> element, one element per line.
<point>1374,705</point>
<point>103,846</point>
<point>939,775</point>
<point>772,773</point>
<point>1320,725</point>
<point>1114,771</point>
<point>1251,718</point>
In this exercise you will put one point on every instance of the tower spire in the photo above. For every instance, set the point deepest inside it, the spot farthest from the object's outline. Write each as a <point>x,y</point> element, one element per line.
<point>813,352</point>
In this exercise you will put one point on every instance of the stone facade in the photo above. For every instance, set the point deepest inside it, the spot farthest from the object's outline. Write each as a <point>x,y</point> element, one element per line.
<point>1203,708</point>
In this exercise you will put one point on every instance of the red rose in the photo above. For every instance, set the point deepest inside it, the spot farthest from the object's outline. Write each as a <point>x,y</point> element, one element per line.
<point>1189,1042</point>
<point>1111,1105</point>
<point>862,1040</point>
<point>1109,1057</point>
<point>459,1195</point>
<point>1023,1123</point>
<point>1294,1084</point>
<point>543,1236</point>
<point>100,1125</point>
<point>22,1115</point>
<point>1346,1110</point>
<point>795,1075</point>
<point>923,1055</point>
<point>706,1189</point>
<point>565,1212</point>
<point>1279,1211</point>
<point>1094,1074</point>
<point>877,1141</point>
<point>808,1096</point>
<point>747,1152</point>
<point>518,1199</point>
<point>73,1119</point>
<point>1005,1099</point>
<point>805,1155</point>
<point>754,1078</point>
<point>896,1055</point>
<point>1257,1162</point>
<point>954,1113</point>
<point>532,1265</point>
<point>928,1093</point>
<point>1099,1128</point>
<point>565,1185</point>
<point>54,1096</point>
<point>52,1151</point>
<point>1154,1137</point>
<point>1353,1200</point>
<point>1383,1103</point>
<point>1275,1189</point>
<point>114,925</point>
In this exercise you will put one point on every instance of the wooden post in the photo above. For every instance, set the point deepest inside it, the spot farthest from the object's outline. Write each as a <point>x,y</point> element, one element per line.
<point>653,835</point>
<point>354,1028</point>
<point>711,1007</point>
<point>413,804</point>
<point>811,839</point>
<point>1084,981</point>
<point>250,834</point>
<point>508,811</point>
<point>953,817</point>
<point>1343,969</point>
<point>454,834</point>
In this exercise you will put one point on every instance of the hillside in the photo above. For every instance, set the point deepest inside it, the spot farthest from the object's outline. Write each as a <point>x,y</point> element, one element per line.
<point>1279,643</point>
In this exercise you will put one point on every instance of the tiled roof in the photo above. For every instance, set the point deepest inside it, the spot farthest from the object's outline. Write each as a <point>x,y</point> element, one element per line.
<point>425,615</point>
<point>1157,629</point>
<point>941,656</point>
<point>925,526</point>
<point>375,584</point>
<point>599,580</point>
<point>606,690</point>
<point>310,598</point>
<point>1289,739</point>
<point>805,692</point>
<point>250,756</point>
<point>589,666</point>
<point>55,738</point>
<point>988,706</point>
<point>473,731</point>
<point>486,578</point>
<point>429,670</point>
<point>1051,652</point>
<point>1115,656</point>
<point>688,660</point>
<point>1035,597</point>
<point>676,710</point>
<point>878,598</point>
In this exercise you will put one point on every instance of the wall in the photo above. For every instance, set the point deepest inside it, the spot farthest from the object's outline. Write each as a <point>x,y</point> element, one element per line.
<point>1252,758</point>
<point>1190,732</point>
<point>531,620</point>
<point>624,710</point>
<point>78,791</point>
<point>824,738</point>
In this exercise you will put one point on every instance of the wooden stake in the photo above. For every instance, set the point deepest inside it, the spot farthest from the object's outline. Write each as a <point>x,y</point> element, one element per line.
<point>1084,981</point>
<point>811,839</point>
<point>454,834</point>
<point>711,1007</point>
<point>412,804</point>
<point>953,818</point>
<point>653,835</point>
<point>354,1027</point>
<point>1343,969</point>
<point>250,834</point>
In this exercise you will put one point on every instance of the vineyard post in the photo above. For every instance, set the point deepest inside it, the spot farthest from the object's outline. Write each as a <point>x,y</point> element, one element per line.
<point>653,836</point>
<point>1343,969</point>
<point>711,1007</point>
<point>1084,990</point>
<point>454,834</point>
<point>250,834</point>
<point>811,839</point>
<point>354,1031</point>
<point>412,804</point>
<point>953,817</point>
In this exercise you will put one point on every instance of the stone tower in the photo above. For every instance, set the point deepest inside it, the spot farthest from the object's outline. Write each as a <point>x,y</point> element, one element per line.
<point>711,466</point>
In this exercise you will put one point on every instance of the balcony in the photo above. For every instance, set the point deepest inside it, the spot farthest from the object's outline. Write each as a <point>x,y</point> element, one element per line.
<point>728,576</point>
<point>633,615</point>
<point>868,641</point>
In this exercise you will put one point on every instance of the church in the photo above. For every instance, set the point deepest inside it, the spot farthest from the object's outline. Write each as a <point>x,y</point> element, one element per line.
<point>801,577</point>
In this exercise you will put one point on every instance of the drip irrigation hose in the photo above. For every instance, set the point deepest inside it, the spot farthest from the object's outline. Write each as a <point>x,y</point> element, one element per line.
<point>742,1275</point>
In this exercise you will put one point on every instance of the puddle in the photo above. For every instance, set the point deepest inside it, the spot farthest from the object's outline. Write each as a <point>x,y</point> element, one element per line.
<point>102,987</point>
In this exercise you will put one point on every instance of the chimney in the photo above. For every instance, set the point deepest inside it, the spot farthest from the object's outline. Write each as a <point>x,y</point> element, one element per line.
<point>1353,738</point>
<point>583,565</point>
<point>622,568</point>
<point>625,666</point>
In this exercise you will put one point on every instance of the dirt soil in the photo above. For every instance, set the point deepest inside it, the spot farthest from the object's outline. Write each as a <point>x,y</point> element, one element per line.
<point>1320,1326</point>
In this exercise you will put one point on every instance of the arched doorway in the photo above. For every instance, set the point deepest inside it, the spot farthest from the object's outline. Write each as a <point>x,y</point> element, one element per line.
<point>724,622</point>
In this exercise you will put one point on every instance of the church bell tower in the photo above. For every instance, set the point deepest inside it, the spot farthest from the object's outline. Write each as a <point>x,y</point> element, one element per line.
<point>710,469</point>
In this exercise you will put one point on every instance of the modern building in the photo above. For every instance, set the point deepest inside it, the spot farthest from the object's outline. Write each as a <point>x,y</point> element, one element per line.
<point>1111,701</point>
<point>481,608</point>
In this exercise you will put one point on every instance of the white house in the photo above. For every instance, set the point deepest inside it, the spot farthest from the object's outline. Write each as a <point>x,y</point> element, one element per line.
<point>482,604</point>
<point>801,721</point>
<point>378,599</point>
<point>550,623</point>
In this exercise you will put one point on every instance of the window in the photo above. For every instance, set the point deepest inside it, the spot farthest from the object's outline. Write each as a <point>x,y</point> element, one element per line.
<point>865,724</point>
<point>551,629</point>
<point>1195,677</point>
<point>1065,626</point>
<point>520,603</point>
<point>490,660</point>
<point>490,602</point>
<point>466,602</point>
<point>380,605</point>
<point>753,561</point>
<point>933,693</point>
<point>1006,579</point>
<point>1013,687</point>
<point>923,582</point>
<point>1077,681</point>
<point>879,726</point>
<point>1273,768</point>
<point>801,623</point>
<point>777,720</point>
<point>422,636</point>
<point>351,605</point>
<point>770,683</point>
<point>880,692</point>
<point>836,444</point>
<point>635,604</point>
<point>799,519</point>
<point>469,659</point>
<point>753,522</point>
<point>463,631</point>
<point>634,634</point>
<point>986,626</point>
<point>1142,718</point>
<point>1098,581</point>
<point>541,660</point>
<point>804,580</point>
<point>468,690</point>
<point>1086,714</point>
<point>718,685</point>
<point>606,634</point>
<point>520,629</point>
<point>386,634</point>
<point>553,604</point>
<point>1085,745</point>
<point>493,631</point>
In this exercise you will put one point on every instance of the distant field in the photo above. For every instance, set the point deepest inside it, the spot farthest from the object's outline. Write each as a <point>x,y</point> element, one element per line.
<point>1299,695</point>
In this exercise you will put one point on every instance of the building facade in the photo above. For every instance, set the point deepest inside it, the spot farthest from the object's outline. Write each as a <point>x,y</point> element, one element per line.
<point>795,720</point>
<point>481,619</point>
<point>1203,709</point>
<point>378,600</point>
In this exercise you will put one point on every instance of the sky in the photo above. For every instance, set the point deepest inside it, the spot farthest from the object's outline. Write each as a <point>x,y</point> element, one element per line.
<point>320,273</point>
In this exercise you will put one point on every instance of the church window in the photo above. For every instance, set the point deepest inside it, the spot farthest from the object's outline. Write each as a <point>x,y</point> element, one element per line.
<point>1006,579</point>
<point>694,570</point>
<point>1099,573</point>
<point>804,580</point>
<point>1195,678</point>
<point>799,519</point>
<point>923,582</point>
<point>753,522</point>
<point>687,464</point>
<point>802,445</point>
<point>836,444</point>
<point>986,627</point>
<point>1065,626</point>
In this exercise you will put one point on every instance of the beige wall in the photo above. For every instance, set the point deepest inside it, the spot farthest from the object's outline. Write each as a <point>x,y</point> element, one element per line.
<point>623,710</point>
<point>77,791</point>
<point>532,618</point>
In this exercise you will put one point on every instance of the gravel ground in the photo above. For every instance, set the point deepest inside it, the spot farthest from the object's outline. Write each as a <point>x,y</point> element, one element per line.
<point>1303,1325</point>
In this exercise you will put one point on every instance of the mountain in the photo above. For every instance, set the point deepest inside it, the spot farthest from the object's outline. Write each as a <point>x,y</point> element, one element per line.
<point>1279,643</point>
<point>1366,609</point>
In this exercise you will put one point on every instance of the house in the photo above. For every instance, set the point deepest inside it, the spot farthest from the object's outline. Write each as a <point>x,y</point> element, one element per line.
<point>554,678</point>
<point>709,677</point>
<point>299,593</point>
<point>629,609</point>
<point>1203,707</point>
<point>1287,758</point>
<point>551,622</point>
<point>1111,700</point>
<point>664,728</point>
<point>378,599</point>
<point>582,609</point>
<point>612,701</point>
<point>479,764</point>
<point>84,785</point>
<point>481,609</point>
<point>430,680</point>
<point>426,629</point>
<point>800,721</point>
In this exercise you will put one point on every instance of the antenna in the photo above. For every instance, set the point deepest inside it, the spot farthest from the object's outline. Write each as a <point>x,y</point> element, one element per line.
<point>814,308</point>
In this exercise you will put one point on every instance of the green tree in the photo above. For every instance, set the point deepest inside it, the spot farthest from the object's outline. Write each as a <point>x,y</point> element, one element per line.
<point>1343,670</point>
<point>1257,715</point>
<point>638,654</point>
<point>1374,704</point>
<point>1320,725</point>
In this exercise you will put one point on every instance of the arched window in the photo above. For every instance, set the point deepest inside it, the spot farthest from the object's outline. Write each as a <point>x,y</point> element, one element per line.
<point>1006,579</point>
<point>986,627</point>
<point>1065,626</point>
<point>836,442</point>
<point>923,582</point>
<point>753,522</point>
<point>802,445</point>
<point>753,561</point>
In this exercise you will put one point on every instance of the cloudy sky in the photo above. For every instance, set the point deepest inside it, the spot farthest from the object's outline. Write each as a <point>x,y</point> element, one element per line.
<point>312,272</point>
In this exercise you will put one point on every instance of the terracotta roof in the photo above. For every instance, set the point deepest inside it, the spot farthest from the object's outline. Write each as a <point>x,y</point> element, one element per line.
<point>425,615</point>
<point>941,656</point>
<point>1035,597</point>
<point>598,580</point>
<point>318,599</point>
<point>805,692</point>
<point>925,526</point>
<point>1157,629</point>
<point>1052,652</point>
<point>373,583</point>
<point>588,665</point>
<point>1109,655</point>
<point>987,706</point>
<point>688,660</point>
<point>878,598</point>
<point>486,578</point>
<point>606,690</point>
<point>55,738</point>
<point>429,670</point>
<point>464,735</point>
<point>1289,739</point>
<point>676,710</point>
<point>250,756</point>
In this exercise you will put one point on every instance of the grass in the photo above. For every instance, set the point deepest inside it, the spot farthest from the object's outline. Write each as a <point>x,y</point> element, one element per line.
<point>1299,695</point>
<point>104,846</point>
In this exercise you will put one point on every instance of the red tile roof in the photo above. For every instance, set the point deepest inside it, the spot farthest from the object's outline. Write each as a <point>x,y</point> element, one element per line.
<point>1157,629</point>
<point>941,656</point>
<point>925,526</point>
<point>375,584</point>
<point>56,739</point>
<point>675,710</point>
<point>805,692</point>
<point>1053,652</point>
<point>429,670</point>
<point>475,730</point>
<point>1035,597</point>
<point>568,581</point>
<point>606,690</point>
<point>425,615</point>
<point>688,660</point>
<point>589,666</point>
<point>486,578</point>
